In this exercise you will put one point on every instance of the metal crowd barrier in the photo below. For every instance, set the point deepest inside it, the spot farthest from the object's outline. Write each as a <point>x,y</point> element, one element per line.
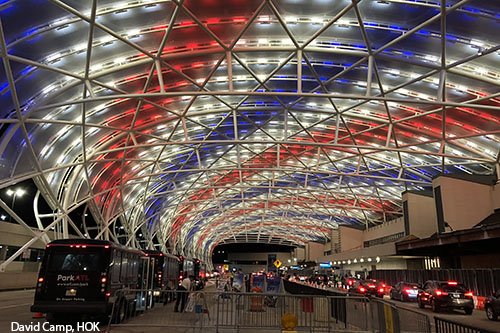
<point>413,321</point>
<point>245,312</point>
<point>314,313</point>
<point>391,318</point>
<point>449,326</point>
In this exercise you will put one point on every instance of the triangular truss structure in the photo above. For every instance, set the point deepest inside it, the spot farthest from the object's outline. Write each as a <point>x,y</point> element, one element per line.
<point>182,125</point>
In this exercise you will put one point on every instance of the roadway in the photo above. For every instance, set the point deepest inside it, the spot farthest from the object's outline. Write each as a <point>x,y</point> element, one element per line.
<point>477,319</point>
<point>15,307</point>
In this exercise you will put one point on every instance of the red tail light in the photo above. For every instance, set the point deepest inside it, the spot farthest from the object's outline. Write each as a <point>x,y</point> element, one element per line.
<point>108,294</point>
<point>407,290</point>
<point>180,277</point>
<point>439,293</point>
<point>362,289</point>
<point>469,294</point>
<point>371,286</point>
<point>381,290</point>
<point>383,285</point>
<point>452,283</point>
<point>84,246</point>
<point>106,246</point>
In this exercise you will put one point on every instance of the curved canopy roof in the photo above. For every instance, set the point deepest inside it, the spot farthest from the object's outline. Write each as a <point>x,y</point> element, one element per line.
<point>198,122</point>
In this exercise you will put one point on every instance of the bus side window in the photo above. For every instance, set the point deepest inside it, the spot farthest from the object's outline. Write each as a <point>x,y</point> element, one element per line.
<point>132,269</point>
<point>115,270</point>
<point>135,272</point>
<point>123,275</point>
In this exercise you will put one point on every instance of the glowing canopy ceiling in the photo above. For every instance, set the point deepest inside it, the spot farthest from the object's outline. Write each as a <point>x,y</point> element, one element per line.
<point>199,122</point>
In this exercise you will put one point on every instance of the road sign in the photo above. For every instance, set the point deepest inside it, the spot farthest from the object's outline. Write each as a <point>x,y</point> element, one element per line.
<point>277,263</point>
<point>226,268</point>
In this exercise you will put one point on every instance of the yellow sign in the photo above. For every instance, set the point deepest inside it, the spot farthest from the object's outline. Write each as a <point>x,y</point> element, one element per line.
<point>225,268</point>
<point>277,263</point>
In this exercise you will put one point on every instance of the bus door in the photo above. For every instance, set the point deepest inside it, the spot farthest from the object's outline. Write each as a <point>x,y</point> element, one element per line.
<point>150,282</point>
<point>142,283</point>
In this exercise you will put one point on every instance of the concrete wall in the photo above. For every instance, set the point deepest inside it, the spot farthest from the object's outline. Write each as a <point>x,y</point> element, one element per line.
<point>421,214</point>
<point>335,243</point>
<point>246,269</point>
<point>18,280</point>
<point>282,256</point>
<point>384,229</point>
<point>313,251</point>
<point>481,261</point>
<point>16,235</point>
<point>299,253</point>
<point>389,263</point>
<point>381,250</point>
<point>350,239</point>
<point>495,196</point>
<point>465,203</point>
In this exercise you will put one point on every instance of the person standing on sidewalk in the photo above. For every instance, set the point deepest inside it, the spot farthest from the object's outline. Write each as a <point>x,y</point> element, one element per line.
<point>184,288</point>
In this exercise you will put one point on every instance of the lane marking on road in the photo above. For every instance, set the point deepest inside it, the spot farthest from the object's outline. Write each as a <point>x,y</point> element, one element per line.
<point>13,306</point>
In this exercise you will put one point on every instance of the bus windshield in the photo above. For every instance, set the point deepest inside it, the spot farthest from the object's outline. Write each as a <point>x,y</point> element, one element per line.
<point>88,262</point>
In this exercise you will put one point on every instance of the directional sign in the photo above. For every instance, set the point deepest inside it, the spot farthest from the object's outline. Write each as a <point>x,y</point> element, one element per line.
<point>277,263</point>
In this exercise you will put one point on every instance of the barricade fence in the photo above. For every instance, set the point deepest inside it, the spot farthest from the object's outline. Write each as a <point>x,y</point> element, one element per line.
<point>234,312</point>
<point>391,318</point>
<point>448,326</point>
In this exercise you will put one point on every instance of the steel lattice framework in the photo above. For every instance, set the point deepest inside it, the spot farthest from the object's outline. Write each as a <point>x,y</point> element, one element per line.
<point>187,124</point>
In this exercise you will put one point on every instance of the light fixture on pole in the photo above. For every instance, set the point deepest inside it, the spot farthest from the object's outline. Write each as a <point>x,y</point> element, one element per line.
<point>18,192</point>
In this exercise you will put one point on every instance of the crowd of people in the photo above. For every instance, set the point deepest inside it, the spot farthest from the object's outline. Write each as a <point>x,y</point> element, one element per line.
<point>318,279</point>
<point>322,280</point>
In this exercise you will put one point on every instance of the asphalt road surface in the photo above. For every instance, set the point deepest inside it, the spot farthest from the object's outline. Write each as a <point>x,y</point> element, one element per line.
<point>15,307</point>
<point>477,319</point>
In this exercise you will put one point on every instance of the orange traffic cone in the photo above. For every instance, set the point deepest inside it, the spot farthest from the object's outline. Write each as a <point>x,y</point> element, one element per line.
<point>38,315</point>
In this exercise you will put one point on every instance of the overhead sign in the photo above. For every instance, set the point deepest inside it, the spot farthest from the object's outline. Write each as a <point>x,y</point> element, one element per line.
<point>277,263</point>
<point>225,268</point>
<point>325,264</point>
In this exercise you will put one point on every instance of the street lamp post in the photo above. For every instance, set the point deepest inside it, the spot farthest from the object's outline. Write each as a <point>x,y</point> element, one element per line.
<point>19,192</point>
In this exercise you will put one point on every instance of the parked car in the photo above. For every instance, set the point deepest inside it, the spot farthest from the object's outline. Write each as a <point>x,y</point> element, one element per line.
<point>405,291</point>
<point>492,306</point>
<point>368,288</point>
<point>445,295</point>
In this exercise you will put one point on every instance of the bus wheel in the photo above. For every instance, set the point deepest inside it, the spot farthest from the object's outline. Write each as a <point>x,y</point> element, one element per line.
<point>120,312</point>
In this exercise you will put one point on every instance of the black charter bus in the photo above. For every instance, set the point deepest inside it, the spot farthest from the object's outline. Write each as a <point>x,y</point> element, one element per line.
<point>186,267</point>
<point>165,268</point>
<point>80,278</point>
<point>200,273</point>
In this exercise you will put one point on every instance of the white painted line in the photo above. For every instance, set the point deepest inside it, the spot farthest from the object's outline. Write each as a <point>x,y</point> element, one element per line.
<point>13,306</point>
